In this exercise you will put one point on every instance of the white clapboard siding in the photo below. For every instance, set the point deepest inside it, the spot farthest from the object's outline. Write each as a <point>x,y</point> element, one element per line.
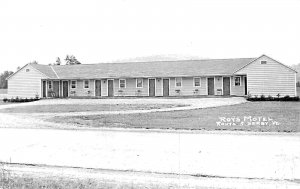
<point>269,79</point>
<point>25,84</point>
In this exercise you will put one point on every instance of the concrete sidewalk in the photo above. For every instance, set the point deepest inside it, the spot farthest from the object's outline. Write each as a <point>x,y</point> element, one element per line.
<point>200,153</point>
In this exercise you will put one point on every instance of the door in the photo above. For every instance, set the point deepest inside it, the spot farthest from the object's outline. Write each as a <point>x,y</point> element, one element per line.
<point>246,92</point>
<point>151,87</point>
<point>226,85</point>
<point>211,86</point>
<point>56,89</point>
<point>166,87</point>
<point>65,89</point>
<point>98,88</point>
<point>110,85</point>
<point>44,89</point>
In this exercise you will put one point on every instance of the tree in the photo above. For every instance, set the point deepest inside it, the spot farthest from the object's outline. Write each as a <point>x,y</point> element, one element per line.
<point>71,60</point>
<point>33,62</point>
<point>3,76</point>
<point>57,62</point>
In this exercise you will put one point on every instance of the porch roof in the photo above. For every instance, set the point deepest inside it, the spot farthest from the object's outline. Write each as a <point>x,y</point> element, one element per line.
<point>184,68</point>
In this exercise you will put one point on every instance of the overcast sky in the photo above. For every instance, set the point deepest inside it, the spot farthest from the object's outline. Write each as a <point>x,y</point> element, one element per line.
<point>106,31</point>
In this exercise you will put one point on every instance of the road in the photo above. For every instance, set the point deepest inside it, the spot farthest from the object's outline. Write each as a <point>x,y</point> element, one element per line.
<point>221,154</point>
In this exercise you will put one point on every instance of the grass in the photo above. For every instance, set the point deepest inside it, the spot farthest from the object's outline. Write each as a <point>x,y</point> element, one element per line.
<point>27,181</point>
<point>285,115</point>
<point>60,108</point>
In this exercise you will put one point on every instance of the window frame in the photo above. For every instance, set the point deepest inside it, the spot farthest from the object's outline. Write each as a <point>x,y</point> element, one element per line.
<point>72,84</point>
<point>50,83</point>
<point>120,83</point>
<point>195,82</point>
<point>240,81</point>
<point>180,81</point>
<point>263,62</point>
<point>136,82</point>
<point>84,84</point>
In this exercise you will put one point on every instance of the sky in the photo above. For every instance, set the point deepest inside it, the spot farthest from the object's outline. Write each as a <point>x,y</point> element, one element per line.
<point>127,30</point>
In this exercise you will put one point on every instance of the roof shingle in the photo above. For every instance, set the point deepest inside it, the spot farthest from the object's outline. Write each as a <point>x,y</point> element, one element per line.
<point>146,69</point>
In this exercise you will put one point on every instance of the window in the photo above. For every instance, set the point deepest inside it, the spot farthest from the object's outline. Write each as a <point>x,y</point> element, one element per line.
<point>237,81</point>
<point>122,83</point>
<point>49,84</point>
<point>178,81</point>
<point>139,83</point>
<point>263,62</point>
<point>197,82</point>
<point>86,84</point>
<point>27,70</point>
<point>73,84</point>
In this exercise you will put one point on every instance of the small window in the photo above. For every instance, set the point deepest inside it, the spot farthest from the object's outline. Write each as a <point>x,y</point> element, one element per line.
<point>49,84</point>
<point>73,84</point>
<point>237,81</point>
<point>27,70</point>
<point>122,83</point>
<point>86,84</point>
<point>139,83</point>
<point>263,62</point>
<point>197,82</point>
<point>178,81</point>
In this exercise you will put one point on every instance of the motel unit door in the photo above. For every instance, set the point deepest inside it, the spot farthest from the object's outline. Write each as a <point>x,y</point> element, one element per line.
<point>98,87</point>
<point>166,87</point>
<point>226,86</point>
<point>44,89</point>
<point>211,86</point>
<point>151,87</point>
<point>110,86</point>
<point>65,89</point>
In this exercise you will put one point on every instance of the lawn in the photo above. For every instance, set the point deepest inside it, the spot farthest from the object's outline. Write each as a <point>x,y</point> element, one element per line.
<point>60,108</point>
<point>251,116</point>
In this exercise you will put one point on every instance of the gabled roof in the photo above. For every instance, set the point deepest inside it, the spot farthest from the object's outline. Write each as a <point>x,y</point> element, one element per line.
<point>147,69</point>
<point>45,69</point>
<point>183,68</point>
<point>267,57</point>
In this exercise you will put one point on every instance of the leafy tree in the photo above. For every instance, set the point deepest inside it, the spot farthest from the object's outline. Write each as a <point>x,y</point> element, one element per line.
<point>33,62</point>
<point>3,76</point>
<point>71,60</point>
<point>57,62</point>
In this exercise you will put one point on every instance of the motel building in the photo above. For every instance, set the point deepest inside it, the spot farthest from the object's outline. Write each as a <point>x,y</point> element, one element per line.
<point>210,77</point>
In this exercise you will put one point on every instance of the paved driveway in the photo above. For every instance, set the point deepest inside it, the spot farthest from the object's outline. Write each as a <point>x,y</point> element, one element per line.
<point>231,154</point>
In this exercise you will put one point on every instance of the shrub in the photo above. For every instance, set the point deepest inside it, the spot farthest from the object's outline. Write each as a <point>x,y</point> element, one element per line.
<point>269,98</point>
<point>5,100</point>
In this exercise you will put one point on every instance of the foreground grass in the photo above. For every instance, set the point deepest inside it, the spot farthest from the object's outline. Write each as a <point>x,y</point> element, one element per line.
<point>60,108</point>
<point>63,182</point>
<point>286,114</point>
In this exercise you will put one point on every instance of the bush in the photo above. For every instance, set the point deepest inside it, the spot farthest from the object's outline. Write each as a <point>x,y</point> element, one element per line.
<point>17,99</point>
<point>270,98</point>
